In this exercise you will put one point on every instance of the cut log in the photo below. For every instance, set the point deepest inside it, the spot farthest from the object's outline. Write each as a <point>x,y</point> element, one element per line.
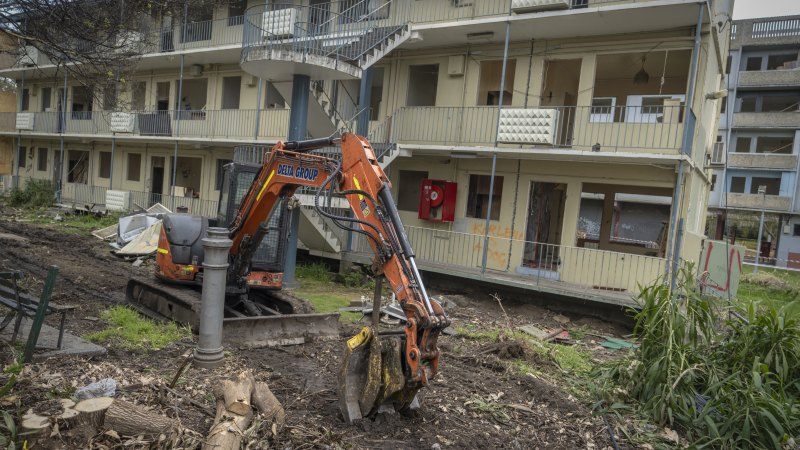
<point>67,403</point>
<point>92,411</point>
<point>269,406</point>
<point>237,393</point>
<point>226,434</point>
<point>35,423</point>
<point>132,420</point>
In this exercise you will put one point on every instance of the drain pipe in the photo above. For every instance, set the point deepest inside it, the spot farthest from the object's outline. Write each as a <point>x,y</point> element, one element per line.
<point>494,154</point>
<point>258,109</point>
<point>208,353</point>
<point>673,250</point>
<point>16,182</point>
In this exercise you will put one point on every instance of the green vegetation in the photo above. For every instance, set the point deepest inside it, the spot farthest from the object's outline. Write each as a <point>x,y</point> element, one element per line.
<point>37,194</point>
<point>316,271</point>
<point>319,288</point>
<point>770,288</point>
<point>129,330</point>
<point>722,383</point>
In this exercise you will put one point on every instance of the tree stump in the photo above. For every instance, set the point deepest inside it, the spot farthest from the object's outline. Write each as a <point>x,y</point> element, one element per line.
<point>92,411</point>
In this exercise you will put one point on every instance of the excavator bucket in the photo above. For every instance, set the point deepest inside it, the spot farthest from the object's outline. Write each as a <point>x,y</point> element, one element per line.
<point>372,375</point>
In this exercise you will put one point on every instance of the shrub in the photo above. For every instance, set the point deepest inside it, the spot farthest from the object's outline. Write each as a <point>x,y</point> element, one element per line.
<point>37,193</point>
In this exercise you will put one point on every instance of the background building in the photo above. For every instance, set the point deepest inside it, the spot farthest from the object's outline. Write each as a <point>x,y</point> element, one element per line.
<point>594,118</point>
<point>757,143</point>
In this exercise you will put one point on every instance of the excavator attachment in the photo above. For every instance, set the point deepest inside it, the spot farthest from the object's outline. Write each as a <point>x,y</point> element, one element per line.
<point>372,376</point>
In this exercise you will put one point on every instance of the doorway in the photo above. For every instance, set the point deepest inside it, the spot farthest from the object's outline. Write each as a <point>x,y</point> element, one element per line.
<point>560,89</point>
<point>156,179</point>
<point>544,223</point>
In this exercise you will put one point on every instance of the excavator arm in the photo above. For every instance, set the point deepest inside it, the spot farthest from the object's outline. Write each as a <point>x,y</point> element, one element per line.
<point>360,179</point>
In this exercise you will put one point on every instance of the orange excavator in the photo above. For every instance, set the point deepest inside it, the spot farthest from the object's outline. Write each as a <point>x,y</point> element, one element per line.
<point>379,367</point>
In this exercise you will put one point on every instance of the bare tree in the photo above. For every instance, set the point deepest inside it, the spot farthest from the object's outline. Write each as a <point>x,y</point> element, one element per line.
<point>97,42</point>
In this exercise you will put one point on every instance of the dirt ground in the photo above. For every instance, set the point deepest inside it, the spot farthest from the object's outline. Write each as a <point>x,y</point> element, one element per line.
<point>478,401</point>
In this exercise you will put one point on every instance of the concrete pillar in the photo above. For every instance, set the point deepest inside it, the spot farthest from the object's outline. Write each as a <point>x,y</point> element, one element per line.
<point>216,245</point>
<point>298,129</point>
<point>586,83</point>
<point>572,209</point>
<point>605,221</point>
<point>364,100</point>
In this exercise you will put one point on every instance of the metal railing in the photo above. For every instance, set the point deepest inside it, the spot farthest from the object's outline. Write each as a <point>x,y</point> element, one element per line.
<point>211,124</point>
<point>602,129</point>
<point>537,263</point>
<point>84,194</point>
<point>776,28</point>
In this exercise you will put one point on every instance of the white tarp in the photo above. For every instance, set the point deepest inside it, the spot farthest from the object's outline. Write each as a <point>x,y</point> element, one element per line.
<point>144,244</point>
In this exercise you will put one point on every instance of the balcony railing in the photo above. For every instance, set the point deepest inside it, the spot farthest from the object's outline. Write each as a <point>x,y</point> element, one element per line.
<point>209,124</point>
<point>781,119</point>
<point>85,194</point>
<point>534,262</point>
<point>757,201</point>
<point>600,129</point>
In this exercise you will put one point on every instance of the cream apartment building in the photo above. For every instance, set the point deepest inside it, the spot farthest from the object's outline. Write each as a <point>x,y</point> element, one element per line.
<point>594,118</point>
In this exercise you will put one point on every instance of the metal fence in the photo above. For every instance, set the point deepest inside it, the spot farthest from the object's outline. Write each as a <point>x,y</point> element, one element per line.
<point>588,128</point>
<point>83,195</point>
<point>776,28</point>
<point>532,262</point>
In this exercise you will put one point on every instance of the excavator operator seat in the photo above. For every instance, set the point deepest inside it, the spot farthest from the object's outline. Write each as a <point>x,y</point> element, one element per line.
<point>185,233</point>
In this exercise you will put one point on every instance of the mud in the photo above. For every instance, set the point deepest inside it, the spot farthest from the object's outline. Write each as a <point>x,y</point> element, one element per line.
<point>533,412</point>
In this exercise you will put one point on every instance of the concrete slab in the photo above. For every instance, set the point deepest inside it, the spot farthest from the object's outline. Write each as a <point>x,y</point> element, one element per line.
<point>48,339</point>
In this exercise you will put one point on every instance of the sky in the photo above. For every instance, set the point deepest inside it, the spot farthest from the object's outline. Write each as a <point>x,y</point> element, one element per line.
<point>748,9</point>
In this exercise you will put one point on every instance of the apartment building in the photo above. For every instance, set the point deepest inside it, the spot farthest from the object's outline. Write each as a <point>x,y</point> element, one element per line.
<point>552,145</point>
<point>757,143</point>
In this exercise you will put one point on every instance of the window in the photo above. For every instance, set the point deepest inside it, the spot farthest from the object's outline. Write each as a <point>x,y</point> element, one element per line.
<point>81,103</point>
<point>773,185</point>
<point>236,10</point>
<point>780,103</point>
<point>737,185</point>
<point>41,159</point>
<point>748,104</point>
<point>713,181</point>
<point>603,109</point>
<point>478,196</point>
<point>26,100</point>
<point>753,63</point>
<point>104,169</point>
<point>231,87</point>
<point>134,166</point>
<point>743,144</point>
<point>782,62</point>
<point>220,172</point>
<point>777,145</point>
<point>796,229</point>
<point>77,166</point>
<point>409,191</point>
<point>422,85</point>
<point>376,94</point>
<point>491,76</point>
<point>47,94</point>
<point>21,155</point>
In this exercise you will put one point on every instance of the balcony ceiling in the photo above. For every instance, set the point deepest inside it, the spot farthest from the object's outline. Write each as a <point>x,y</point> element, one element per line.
<point>613,19</point>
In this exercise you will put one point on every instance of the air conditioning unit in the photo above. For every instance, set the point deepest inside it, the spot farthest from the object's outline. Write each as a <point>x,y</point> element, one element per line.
<point>24,121</point>
<point>522,6</point>
<point>279,23</point>
<point>527,126</point>
<point>122,122</point>
<point>462,3</point>
<point>437,200</point>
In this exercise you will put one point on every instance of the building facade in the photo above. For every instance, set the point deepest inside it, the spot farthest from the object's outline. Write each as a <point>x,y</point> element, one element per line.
<point>565,141</point>
<point>759,132</point>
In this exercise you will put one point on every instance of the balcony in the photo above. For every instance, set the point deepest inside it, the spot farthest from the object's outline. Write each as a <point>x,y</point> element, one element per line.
<point>790,119</point>
<point>757,201</point>
<point>770,78</point>
<point>232,124</point>
<point>762,161</point>
<point>604,129</point>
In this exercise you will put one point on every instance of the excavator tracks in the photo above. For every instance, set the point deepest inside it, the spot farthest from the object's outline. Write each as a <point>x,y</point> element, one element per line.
<point>292,321</point>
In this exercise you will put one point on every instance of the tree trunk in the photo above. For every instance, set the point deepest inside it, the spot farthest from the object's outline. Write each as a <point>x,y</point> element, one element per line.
<point>226,434</point>
<point>236,394</point>
<point>131,420</point>
<point>92,411</point>
<point>268,405</point>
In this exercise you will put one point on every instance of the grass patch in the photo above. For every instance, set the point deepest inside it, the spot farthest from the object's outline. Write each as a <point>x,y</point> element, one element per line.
<point>328,297</point>
<point>129,330</point>
<point>316,271</point>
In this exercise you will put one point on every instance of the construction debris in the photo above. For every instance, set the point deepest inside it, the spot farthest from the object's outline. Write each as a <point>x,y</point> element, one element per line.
<point>136,234</point>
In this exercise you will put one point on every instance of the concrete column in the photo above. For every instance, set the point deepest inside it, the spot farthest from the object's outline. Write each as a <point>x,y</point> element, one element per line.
<point>364,100</point>
<point>298,129</point>
<point>605,221</point>
<point>586,83</point>
<point>572,209</point>
<point>216,245</point>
